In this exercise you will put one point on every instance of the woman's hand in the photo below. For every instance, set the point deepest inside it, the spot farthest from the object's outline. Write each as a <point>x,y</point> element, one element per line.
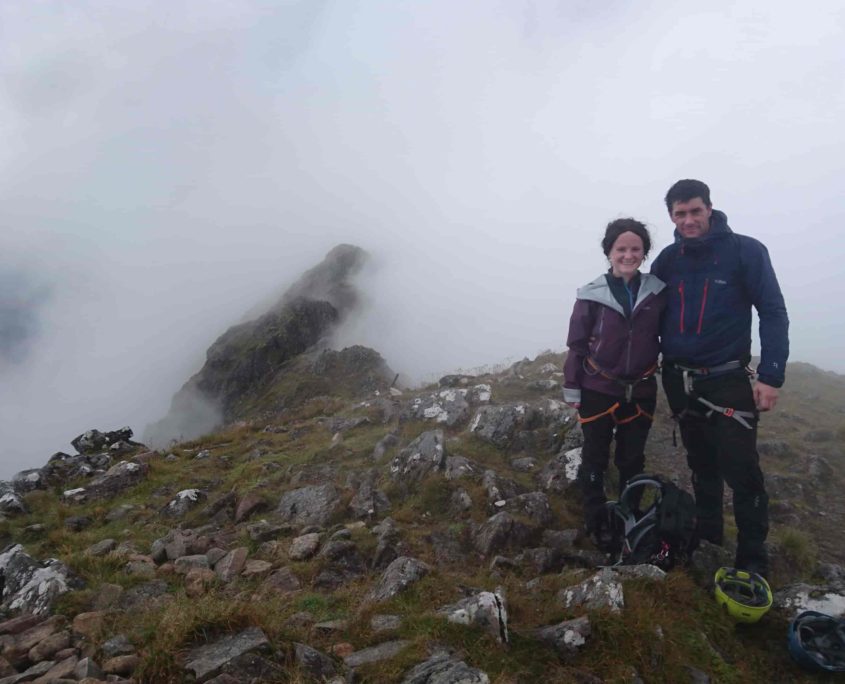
<point>574,404</point>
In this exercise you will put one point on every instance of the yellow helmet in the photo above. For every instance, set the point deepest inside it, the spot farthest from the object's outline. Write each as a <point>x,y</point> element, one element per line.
<point>745,596</point>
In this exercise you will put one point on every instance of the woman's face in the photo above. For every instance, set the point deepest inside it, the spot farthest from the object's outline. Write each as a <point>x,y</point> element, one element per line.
<point>626,255</point>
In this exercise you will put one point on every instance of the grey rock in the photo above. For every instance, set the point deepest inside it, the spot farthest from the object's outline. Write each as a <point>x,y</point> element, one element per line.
<point>799,597</point>
<point>533,505</point>
<point>369,502</point>
<point>499,488</point>
<point>263,530</point>
<point>485,609</point>
<point>499,532</point>
<point>29,480</point>
<point>281,581</point>
<point>460,501</point>
<point>540,560</point>
<point>93,441</point>
<point>304,546</point>
<point>498,424</point>
<point>119,512</point>
<point>458,467</point>
<point>101,548</point>
<point>184,501</point>
<point>442,668</point>
<point>426,454</point>
<point>643,571</point>
<point>251,667</point>
<point>399,575</point>
<point>116,646</point>
<point>448,406</point>
<point>312,505</point>
<point>344,558</point>
<point>566,638</point>
<point>601,591</point>
<point>231,565</point>
<point>11,502</point>
<point>696,676</point>
<point>316,663</point>
<point>30,586</point>
<point>773,447</point>
<point>524,464</point>
<point>186,563</point>
<point>561,471</point>
<point>116,479</point>
<point>87,667</point>
<point>384,651</point>
<point>207,661</point>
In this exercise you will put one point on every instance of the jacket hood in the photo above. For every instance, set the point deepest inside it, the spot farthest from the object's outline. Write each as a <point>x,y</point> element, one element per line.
<point>719,228</point>
<point>599,291</point>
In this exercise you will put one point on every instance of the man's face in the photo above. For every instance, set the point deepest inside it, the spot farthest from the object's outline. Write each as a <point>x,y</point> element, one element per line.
<point>692,219</point>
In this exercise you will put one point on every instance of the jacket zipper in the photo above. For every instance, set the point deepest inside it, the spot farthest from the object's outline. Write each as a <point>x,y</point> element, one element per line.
<point>681,292</point>
<point>703,304</point>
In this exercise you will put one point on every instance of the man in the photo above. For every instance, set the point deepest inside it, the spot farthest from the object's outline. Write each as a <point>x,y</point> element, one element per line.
<point>714,277</point>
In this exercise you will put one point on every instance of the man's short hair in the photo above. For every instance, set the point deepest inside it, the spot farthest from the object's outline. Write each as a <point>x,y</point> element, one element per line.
<point>686,190</point>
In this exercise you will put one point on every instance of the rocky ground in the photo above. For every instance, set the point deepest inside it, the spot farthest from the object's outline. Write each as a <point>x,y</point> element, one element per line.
<point>335,528</point>
<point>417,536</point>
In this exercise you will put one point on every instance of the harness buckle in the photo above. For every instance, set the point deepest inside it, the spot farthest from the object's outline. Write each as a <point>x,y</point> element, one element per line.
<point>729,412</point>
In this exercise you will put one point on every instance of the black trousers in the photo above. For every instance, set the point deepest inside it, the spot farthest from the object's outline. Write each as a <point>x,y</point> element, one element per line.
<point>720,449</point>
<point>629,456</point>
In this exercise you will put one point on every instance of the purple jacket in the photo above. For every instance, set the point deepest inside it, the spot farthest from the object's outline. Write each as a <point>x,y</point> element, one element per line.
<point>622,347</point>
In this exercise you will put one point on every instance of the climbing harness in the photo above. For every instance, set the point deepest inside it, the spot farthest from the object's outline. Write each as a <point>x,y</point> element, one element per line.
<point>628,385</point>
<point>691,374</point>
<point>612,413</point>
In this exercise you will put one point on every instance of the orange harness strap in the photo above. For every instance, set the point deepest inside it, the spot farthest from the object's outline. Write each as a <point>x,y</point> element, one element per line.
<point>609,412</point>
<point>612,413</point>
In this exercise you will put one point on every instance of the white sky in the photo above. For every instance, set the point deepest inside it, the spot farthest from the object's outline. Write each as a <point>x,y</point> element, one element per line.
<point>164,166</point>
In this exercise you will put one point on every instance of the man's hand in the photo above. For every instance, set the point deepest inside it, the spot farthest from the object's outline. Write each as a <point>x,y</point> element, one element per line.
<point>765,396</point>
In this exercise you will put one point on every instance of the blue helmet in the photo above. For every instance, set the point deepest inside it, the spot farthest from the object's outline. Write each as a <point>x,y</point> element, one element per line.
<point>817,641</point>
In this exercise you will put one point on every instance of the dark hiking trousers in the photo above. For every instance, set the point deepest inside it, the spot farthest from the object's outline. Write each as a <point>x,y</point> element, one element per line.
<point>720,449</point>
<point>629,456</point>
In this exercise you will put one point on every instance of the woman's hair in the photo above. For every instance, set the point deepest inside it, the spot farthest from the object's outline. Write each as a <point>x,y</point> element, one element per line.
<point>625,225</point>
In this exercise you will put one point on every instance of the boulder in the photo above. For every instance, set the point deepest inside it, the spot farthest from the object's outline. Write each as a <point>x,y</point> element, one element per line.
<point>30,586</point>
<point>566,638</point>
<point>231,565</point>
<point>281,581</point>
<point>11,502</point>
<point>425,455</point>
<point>533,505</point>
<point>501,531</point>
<point>304,546</point>
<point>207,661</point>
<point>442,668</point>
<point>498,424</point>
<point>116,479</point>
<point>399,575</point>
<point>374,654</point>
<point>601,591</point>
<point>369,502</point>
<point>314,662</point>
<point>312,505</point>
<point>183,502</point>
<point>457,467</point>
<point>485,609</point>
<point>561,471</point>
<point>250,504</point>
<point>28,481</point>
<point>448,406</point>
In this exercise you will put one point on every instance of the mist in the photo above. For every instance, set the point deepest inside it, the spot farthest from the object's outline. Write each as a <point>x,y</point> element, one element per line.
<point>164,167</point>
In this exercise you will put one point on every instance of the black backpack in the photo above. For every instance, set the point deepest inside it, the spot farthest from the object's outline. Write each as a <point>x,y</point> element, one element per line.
<point>662,534</point>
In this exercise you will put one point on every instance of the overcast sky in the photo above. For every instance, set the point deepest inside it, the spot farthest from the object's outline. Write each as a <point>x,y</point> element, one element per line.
<point>166,165</point>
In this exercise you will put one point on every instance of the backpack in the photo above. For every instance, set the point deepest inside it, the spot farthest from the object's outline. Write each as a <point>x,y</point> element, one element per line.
<point>663,533</point>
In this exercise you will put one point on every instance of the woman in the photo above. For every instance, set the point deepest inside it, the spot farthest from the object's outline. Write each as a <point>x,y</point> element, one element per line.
<point>609,369</point>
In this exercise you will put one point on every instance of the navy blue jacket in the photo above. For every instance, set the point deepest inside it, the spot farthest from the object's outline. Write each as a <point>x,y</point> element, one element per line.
<point>712,283</point>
